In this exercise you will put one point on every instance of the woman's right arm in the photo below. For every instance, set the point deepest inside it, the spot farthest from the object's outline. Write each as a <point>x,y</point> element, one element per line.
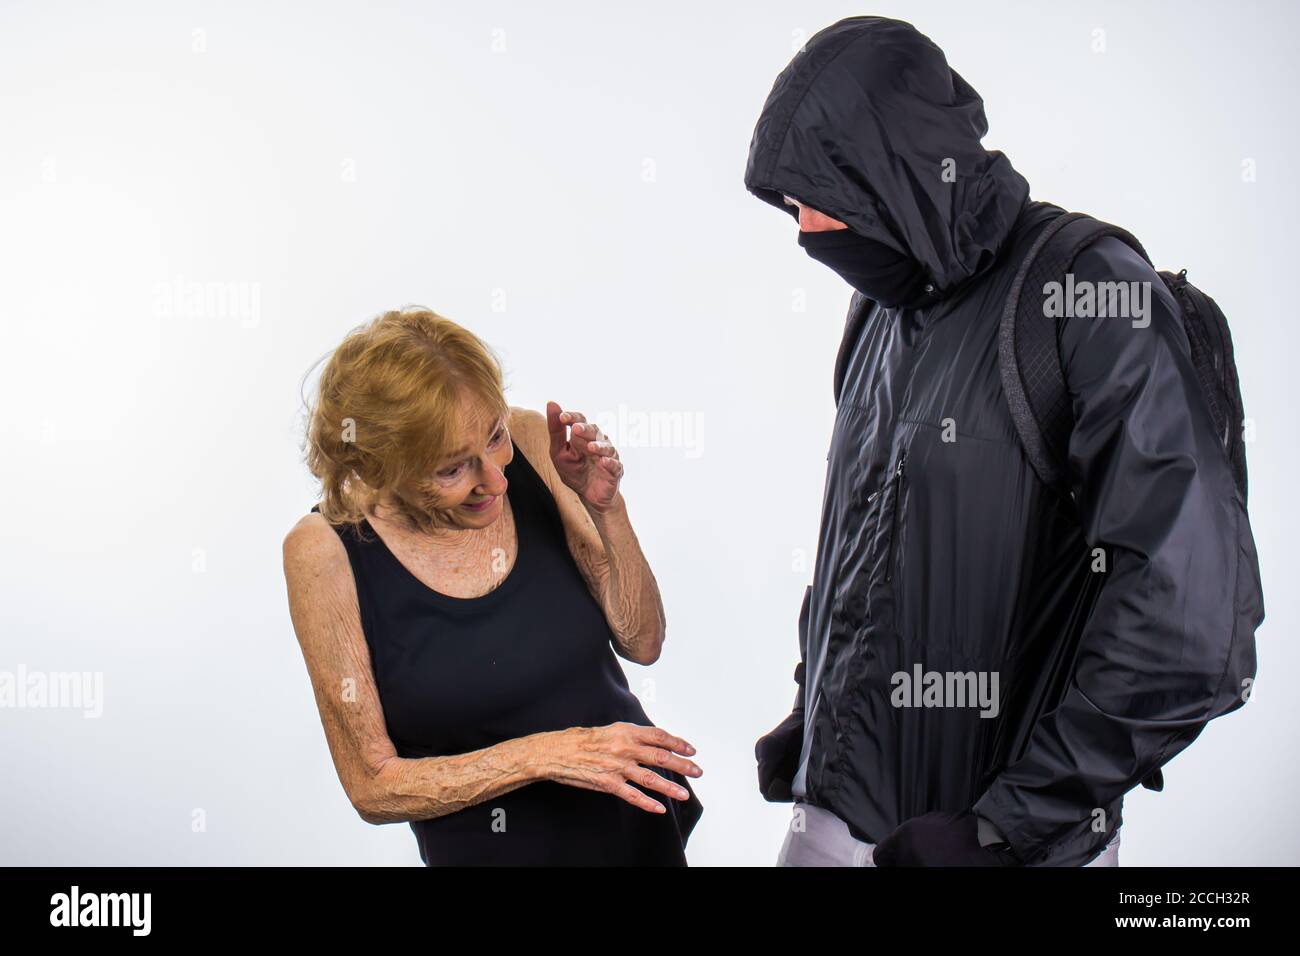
<point>386,788</point>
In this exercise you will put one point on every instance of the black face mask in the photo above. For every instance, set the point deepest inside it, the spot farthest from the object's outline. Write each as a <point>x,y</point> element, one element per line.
<point>877,271</point>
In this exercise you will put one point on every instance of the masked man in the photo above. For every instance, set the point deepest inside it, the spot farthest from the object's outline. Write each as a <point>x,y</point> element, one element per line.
<point>988,667</point>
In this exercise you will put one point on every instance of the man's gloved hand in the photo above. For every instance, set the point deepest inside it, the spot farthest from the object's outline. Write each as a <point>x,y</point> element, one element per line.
<point>941,839</point>
<point>777,753</point>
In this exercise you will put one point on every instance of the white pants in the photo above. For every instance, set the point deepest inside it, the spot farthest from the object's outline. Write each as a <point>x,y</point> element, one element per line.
<point>825,840</point>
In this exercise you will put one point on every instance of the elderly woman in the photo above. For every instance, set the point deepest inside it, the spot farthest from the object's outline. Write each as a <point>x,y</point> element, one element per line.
<point>459,594</point>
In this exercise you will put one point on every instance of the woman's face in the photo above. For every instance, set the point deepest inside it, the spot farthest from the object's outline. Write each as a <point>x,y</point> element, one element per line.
<point>467,487</point>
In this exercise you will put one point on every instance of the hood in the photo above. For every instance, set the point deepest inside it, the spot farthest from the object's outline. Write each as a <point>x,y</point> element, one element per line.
<point>868,124</point>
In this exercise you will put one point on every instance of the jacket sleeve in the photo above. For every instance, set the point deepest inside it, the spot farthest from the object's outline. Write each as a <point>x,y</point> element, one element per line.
<point>1170,642</point>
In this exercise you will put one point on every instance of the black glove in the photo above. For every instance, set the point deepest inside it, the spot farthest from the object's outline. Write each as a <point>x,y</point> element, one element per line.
<point>941,839</point>
<point>777,751</point>
<point>778,758</point>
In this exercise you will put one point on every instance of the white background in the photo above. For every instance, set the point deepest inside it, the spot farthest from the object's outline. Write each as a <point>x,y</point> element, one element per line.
<point>580,165</point>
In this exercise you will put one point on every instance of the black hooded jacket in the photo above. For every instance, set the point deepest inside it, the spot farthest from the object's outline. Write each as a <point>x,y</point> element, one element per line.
<point>1105,628</point>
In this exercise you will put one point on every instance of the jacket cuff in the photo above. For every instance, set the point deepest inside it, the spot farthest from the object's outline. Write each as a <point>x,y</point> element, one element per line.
<point>987,833</point>
<point>990,813</point>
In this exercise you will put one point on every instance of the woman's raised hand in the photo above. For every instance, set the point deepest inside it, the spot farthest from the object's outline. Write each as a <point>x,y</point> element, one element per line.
<point>613,757</point>
<point>586,460</point>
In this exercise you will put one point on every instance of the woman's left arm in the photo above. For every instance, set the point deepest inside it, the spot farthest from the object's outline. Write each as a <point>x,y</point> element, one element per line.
<point>597,528</point>
<point>620,579</point>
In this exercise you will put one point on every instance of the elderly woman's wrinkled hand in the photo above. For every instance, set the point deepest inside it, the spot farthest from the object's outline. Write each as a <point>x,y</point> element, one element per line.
<point>584,457</point>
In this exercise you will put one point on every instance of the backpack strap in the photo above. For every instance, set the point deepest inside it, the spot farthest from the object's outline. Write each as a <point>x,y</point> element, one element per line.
<point>1029,356</point>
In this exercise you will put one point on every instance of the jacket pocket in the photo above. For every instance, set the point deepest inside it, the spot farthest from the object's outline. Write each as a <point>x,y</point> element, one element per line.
<point>896,511</point>
<point>889,516</point>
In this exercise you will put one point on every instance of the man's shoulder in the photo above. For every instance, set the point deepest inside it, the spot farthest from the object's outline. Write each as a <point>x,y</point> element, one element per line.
<point>1111,259</point>
<point>1118,309</point>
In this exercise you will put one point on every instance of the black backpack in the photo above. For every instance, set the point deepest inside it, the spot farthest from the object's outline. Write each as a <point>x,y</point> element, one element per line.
<point>1030,362</point>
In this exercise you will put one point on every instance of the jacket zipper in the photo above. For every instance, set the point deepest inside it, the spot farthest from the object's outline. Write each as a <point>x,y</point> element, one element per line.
<point>898,504</point>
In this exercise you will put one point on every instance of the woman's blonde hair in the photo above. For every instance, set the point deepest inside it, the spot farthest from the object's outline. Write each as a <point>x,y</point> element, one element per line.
<point>385,407</point>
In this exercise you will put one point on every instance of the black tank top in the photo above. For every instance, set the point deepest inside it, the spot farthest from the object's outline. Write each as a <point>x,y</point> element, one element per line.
<point>532,655</point>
